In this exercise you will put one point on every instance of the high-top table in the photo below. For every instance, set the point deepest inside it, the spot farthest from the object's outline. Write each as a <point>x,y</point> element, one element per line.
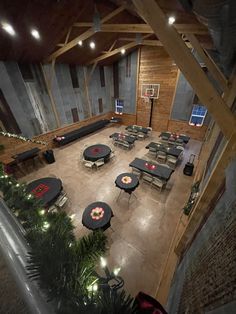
<point>127,181</point>
<point>173,151</point>
<point>159,171</point>
<point>46,190</point>
<point>98,151</point>
<point>134,128</point>
<point>120,136</point>
<point>97,216</point>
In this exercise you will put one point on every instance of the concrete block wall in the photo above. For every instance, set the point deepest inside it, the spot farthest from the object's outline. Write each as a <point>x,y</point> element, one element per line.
<point>205,279</point>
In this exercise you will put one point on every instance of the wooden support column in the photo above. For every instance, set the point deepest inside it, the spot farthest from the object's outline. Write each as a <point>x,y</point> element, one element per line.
<point>137,83</point>
<point>212,67</point>
<point>177,49</point>
<point>48,86</point>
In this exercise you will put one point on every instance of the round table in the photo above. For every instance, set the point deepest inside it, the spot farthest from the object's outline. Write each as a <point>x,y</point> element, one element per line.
<point>127,181</point>
<point>97,216</point>
<point>98,151</point>
<point>46,189</point>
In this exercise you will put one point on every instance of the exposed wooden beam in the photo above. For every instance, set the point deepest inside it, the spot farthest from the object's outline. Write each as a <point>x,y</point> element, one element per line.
<point>91,72</point>
<point>212,67</point>
<point>83,36</point>
<point>188,65</point>
<point>68,35</point>
<point>144,28</point>
<point>113,52</point>
<point>230,94</point>
<point>112,46</point>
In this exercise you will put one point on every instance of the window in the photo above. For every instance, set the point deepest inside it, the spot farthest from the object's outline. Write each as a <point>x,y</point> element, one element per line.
<point>198,115</point>
<point>102,76</point>
<point>119,105</point>
<point>75,115</point>
<point>73,75</point>
<point>100,105</point>
<point>26,71</point>
<point>128,66</point>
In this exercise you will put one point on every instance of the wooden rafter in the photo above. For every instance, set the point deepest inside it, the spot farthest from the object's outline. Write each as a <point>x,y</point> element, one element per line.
<point>68,35</point>
<point>131,44</point>
<point>177,49</point>
<point>144,28</point>
<point>210,64</point>
<point>83,36</point>
<point>113,52</point>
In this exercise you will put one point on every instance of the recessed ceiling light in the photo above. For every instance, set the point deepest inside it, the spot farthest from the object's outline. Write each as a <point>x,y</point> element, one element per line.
<point>92,45</point>
<point>122,51</point>
<point>35,33</point>
<point>80,43</point>
<point>9,29</point>
<point>171,20</point>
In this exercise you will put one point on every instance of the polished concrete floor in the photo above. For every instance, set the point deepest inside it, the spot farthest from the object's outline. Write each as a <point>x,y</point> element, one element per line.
<point>141,230</point>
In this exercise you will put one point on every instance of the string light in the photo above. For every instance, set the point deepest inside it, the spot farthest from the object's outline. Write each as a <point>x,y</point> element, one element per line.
<point>103,262</point>
<point>42,212</point>
<point>116,271</point>
<point>22,138</point>
<point>46,225</point>
<point>95,287</point>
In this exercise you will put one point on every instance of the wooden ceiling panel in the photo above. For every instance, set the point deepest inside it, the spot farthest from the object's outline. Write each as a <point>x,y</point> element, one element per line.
<point>54,18</point>
<point>50,17</point>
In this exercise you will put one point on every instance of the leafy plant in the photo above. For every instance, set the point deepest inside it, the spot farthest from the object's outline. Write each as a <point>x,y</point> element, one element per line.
<point>63,266</point>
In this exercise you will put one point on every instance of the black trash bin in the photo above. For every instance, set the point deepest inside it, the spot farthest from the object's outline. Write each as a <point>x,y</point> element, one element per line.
<point>49,156</point>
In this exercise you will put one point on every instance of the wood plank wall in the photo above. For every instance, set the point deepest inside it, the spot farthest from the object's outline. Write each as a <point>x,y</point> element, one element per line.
<point>49,136</point>
<point>157,67</point>
<point>13,146</point>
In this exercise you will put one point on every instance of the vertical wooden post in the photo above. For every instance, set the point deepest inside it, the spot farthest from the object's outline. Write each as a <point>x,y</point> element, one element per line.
<point>48,86</point>
<point>137,84</point>
<point>87,91</point>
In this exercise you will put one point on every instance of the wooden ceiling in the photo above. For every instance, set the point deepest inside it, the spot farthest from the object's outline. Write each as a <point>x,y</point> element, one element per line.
<point>54,18</point>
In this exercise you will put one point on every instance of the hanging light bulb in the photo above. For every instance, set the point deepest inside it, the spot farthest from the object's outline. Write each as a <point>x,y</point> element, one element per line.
<point>171,20</point>
<point>122,51</point>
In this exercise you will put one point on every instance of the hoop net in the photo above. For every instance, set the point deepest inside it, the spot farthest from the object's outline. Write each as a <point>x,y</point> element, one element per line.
<point>146,98</point>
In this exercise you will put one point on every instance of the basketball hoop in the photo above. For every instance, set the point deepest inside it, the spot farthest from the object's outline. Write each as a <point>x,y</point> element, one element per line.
<point>149,91</point>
